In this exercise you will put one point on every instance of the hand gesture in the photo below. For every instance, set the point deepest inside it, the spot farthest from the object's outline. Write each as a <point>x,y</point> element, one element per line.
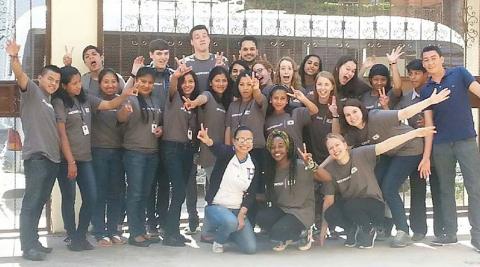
<point>72,171</point>
<point>255,84</point>
<point>130,91</point>
<point>305,156</point>
<point>158,131</point>
<point>188,104</point>
<point>297,94</point>
<point>203,136</point>
<point>138,62</point>
<point>182,68</point>
<point>127,107</point>
<point>235,58</point>
<point>395,55</point>
<point>333,107</point>
<point>424,168</point>
<point>369,62</point>
<point>422,132</point>
<point>67,58</point>
<point>219,59</point>
<point>383,98</point>
<point>241,221</point>
<point>12,48</point>
<point>437,98</point>
<point>264,57</point>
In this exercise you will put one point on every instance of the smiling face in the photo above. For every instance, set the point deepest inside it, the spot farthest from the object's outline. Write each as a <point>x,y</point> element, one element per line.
<point>245,88</point>
<point>417,78</point>
<point>219,83</point>
<point>188,85</point>
<point>236,69</point>
<point>93,60</point>
<point>109,84</point>
<point>286,72</point>
<point>312,66</point>
<point>378,82</point>
<point>248,51</point>
<point>49,81</point>
<point>353,116</point>
<point>200,40</point>
<point>432,62</point>
<point>338,149</point>
<point>144,84</point>
<point>74,86</point>
<point>279,150</point>
<point>160,58</point>
<point>324,87</point>
<point>263,75</point>
<point>279,100</point>
<point>346,72</point>
<point>243,142</point>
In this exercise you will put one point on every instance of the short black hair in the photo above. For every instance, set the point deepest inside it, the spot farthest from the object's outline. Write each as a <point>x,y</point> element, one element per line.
<point>88,47</point>
<point>241,128</point>
<point>416,64</point>
<point>248,38</point>
<point>146,70</point>
<point>158,44</point>
<point>196,28</point>
<point>52,68</point>
<point>432,48</point>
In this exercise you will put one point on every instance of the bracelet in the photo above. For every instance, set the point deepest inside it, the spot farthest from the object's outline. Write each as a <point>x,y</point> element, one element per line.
<point>392,63</point>
<point>336,117</point>
<point>311,165</point>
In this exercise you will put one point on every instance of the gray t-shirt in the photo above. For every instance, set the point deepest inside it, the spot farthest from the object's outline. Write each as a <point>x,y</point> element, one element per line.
<point>409,99</point>
<point>76,118</point>
<point>212,115</point>
<point>160,87</point>
<point>178,121</point>
<point>292,124</point>
<point>92,86</point>
<point>297,199</point>
<point>38,124</point>
<point>293,102</point>
<point>106,131</point>
<point>383,124</point>
<point>320,126</point>
<point>138,134</point>
<point>355,179</point>
<point>248,114</point>
<point>371,101</point>
<point>202,69</point>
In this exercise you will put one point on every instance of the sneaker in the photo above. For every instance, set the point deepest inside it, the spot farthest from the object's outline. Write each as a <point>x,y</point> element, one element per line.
<point>282,245</point>
<point>401,240</point>
<point>75,245</point>
<point>382,234</point>
<point>173,241</point>
<point>476,245</point>
<point>193,224</point>
<point>86,245</point>
<point>42,248</point>
<point>217,247</point>
<point>418,237</point>
<point>34,254</point>
<point>305,243</point>
<point>366,239</point>
<point>444,240</point>
<point>351,240</point>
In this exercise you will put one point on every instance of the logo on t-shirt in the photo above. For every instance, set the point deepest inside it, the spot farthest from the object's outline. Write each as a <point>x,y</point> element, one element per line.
<point>44,101</point>
<point>290,122</point>
<point>375,137</point>
<point>354,170</point>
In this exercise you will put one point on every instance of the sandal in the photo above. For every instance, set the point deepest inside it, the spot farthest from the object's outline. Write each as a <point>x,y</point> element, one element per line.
<point>118,240</point>
<point>104,242</point>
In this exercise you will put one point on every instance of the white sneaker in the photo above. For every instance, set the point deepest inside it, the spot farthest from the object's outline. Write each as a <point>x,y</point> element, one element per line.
<point>217,247</point>
<point>282,245</point>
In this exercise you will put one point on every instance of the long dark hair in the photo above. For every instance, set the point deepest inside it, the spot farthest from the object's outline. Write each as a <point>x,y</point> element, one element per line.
<point>351,132</point>
<point>227,96</point>
<point>301,70</point>
<point>181,80</point>
<point>67,74</point>
<point>353,88</point>
<point>288,109</point>
<point>243,73</point>
<point>144,108</point>
<point>271,172</point>
<point>102,74</point>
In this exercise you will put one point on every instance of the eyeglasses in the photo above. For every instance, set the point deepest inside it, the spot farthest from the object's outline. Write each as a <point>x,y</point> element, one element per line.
<point>244,140</point>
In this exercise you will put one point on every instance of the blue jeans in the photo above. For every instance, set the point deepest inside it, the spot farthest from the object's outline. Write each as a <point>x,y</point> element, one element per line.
<point>445,157</point>
<point>88,190</point>
<point>110,175</point>
<point>40,175</point>
<point>225,222</point>
<point>391,173</point>
<point>141,168</point>
<point>178,163</point>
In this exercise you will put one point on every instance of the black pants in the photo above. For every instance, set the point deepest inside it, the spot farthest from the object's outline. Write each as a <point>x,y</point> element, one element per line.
<point>363,212</point>
<point>280,225</point>
<point>418,210</point>
<point>192,196</point>
<point>159,198</point>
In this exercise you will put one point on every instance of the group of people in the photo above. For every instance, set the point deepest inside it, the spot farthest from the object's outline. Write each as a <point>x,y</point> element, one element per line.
<point>294,150</point>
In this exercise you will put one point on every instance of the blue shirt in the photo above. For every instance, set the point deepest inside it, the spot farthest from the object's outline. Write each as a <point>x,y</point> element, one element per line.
<point>453,117</point>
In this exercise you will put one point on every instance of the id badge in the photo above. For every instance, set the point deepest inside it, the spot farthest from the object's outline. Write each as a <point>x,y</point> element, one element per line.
<point>85,130</point>
<point>154,126</point>
<point>189,134</point>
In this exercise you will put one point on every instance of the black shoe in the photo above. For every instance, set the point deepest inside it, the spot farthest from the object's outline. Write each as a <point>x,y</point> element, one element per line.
<point>75,245</point>
<point>43,249</point>
<point>86,245</point>
<point>185,240</point>
<point>351,240</point>
<point>153,239</point>
<point>34,254</point>
<point>174,241</point>
<point>142,244</point>
<point>366,238</point>
<point>444,240</point>
<point>193,224</point>
<point>418,237</point>
<point>476,245</point>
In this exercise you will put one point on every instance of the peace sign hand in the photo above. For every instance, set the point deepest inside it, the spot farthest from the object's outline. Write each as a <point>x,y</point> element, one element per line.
<point>188,104</point>
<point>383,98</point>
<point>219,59</point>
<point>203,136</point>
<point>297,94</point>
<point>67,58</point>
<point>138,62</point>
<point>182,68</point>
<point>333,107</point>
<point>306,156</point>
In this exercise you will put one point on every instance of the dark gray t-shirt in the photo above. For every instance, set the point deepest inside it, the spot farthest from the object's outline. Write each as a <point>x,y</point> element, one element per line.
<point>371,101</point>
<point>212,115</point>
<point>299,199</point>
<point>138,134</point>
<point>178,121</point>
<point>293,102</point>
<point>383,124</point>
<point>106,131</point>
<point>202,69</point>
<point>248,114</point>
<point>92,86</point>
<point>355,179</point>
<point>292,124</point>
<point>409,99</point>
<point>75,118</point>
<point>38,124</point>
<point>160,87</point>
<point>320,126</point>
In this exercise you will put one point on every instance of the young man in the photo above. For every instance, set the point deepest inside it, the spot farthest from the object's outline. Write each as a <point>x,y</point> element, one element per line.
<point>454,141</point>
<point>248,50</point>
<point>93,59</point>
<point>41,150</point>
<point>418,76</point>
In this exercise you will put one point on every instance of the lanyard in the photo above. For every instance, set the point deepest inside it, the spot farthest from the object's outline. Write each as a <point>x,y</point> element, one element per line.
<point>247,107</point>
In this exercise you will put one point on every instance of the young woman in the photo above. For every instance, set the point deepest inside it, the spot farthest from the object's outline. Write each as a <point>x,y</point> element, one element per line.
<point>348,84</point>
<point>310,67</point>
<point>179,145</point>
<point>107,137</point>
<point>73,109</point>
<point>264,73</point>
<point>286,74</point>
<point>231,192</point>
<point>281,116</point>
<point>290,190</point>
<point>359,206</point>
<point>236,67</point>
<point>141,117</point>
<point>362,128</point>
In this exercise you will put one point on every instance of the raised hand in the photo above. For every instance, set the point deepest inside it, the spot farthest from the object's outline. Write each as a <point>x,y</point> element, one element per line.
<point>369,62</point>
<point>383,98</point>
<point>235,58</point>
<point>188,104</point>
<point>333,107</point>
<point>12,48</point>
<point>128,107</point>
<point>67,58</point>
<point>138,62</point>
<point>182,68</point>
<point>255,84</point>
<point>219,59</point>
<point>297,94</point>
<point>305,155</point>
<point>203,136</point>
<point>437,98</point>
<point>395,55</point>
<point>264,57</point>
